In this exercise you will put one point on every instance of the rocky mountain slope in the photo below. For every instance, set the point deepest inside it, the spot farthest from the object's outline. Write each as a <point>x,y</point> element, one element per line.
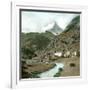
<point>69,40</point>
<point>33,43</point>
<point>41,45</point>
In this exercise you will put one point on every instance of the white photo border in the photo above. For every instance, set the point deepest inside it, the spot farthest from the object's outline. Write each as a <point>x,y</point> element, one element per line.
<point>15,45</point>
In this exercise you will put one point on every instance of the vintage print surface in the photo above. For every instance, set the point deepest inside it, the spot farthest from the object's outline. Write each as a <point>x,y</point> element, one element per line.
<point>49,43</point>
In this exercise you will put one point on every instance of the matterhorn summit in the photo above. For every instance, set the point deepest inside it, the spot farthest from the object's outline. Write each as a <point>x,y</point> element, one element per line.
<point>53,27</point>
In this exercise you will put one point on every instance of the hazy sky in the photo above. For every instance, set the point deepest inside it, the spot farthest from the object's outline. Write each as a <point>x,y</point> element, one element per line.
<point>36,21</point>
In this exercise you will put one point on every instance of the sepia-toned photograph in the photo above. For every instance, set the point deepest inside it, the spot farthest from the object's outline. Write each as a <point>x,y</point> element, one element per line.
<point>49,43</point>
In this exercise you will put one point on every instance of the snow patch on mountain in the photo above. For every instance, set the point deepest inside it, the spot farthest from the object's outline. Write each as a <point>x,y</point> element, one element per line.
<point>53,27</point>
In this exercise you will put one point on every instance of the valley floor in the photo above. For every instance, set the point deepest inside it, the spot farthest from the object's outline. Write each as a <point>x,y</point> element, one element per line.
<point>71,67</point>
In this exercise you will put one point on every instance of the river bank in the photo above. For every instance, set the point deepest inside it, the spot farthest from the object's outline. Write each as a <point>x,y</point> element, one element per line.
<point>32,70</point>
<point>51,72</point>
<point>71,67</point>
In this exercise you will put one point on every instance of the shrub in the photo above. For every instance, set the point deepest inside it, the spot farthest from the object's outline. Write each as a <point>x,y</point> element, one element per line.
<point>60,69</point>
<point>72,65</point>
<point>58,73</point>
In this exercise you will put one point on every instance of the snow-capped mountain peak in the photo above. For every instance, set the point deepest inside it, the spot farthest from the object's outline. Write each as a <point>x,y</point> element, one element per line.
<point>53,27</point>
